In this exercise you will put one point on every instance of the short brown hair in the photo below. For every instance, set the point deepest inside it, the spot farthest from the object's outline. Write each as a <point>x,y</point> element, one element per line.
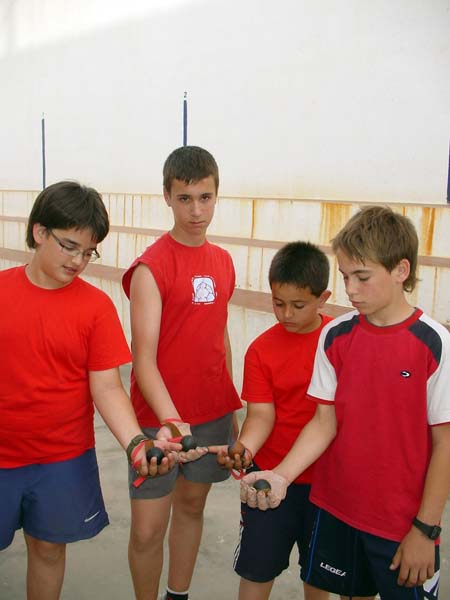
<point>379,234</point>
<point>67,205</point>
<point>189,164</point>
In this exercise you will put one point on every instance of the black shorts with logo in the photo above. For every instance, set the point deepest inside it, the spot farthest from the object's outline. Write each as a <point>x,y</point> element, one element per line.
<point>267,537</point>
<point>347,561</point>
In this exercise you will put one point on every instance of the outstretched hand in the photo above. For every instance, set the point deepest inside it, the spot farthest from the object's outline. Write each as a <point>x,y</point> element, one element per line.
<point>173,430</point>
<point>232,460</point>
<point>146,468</point>
<point>191,455</point>
<point>263,499</point>
<point>166,445</point>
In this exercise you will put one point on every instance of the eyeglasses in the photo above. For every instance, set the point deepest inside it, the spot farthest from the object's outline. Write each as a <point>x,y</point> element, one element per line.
<point>87,255</point>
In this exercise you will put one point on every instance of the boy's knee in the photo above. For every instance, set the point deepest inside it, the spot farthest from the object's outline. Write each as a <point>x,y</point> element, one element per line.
<point>145,539</point>
<point>190,505</point>
<point>190,498</point>
<point>47,552</point>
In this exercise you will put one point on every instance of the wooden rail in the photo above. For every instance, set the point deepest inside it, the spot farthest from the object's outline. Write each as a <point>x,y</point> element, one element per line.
<point>250,299</point>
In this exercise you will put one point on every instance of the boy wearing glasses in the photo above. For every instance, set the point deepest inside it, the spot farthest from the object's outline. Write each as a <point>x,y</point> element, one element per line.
<point>61,344</point>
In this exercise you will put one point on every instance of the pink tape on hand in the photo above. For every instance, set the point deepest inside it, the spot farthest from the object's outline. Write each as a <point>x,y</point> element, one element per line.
<point>137,482</point>
<point>167,423</point>
<point>240,473</point>
<point>136,451</point>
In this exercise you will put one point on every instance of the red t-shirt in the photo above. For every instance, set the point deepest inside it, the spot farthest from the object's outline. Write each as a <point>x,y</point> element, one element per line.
<point>195,284</point>
<point>277,369</point>
<point>389,385</point>
<point>50,340</point>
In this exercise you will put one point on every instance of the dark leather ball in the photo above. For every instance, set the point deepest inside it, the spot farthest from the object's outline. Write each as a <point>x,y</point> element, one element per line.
<point>188,443</point>
<point>262,485</point>
<point>155,452</point>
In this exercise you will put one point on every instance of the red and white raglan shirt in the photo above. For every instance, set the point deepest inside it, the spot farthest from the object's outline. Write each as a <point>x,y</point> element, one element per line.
<point>195,284</point>
<point>389,386</point>
<point>50,339</point>
<point>277,370</point>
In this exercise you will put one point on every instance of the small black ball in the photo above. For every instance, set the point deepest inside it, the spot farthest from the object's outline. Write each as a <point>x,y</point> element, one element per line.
<point>155,452</point>
<point>188,443</point>
<point>262,485</point>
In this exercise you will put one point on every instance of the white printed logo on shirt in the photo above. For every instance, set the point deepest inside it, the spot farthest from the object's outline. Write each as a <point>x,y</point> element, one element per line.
<point>203,290</point>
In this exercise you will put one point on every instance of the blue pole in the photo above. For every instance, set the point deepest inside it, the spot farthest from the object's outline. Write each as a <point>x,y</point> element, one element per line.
<point>185,119</point>
<point>43,149</point>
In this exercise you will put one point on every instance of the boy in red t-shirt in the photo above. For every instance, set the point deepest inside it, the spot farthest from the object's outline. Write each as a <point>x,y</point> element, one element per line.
<point>179,290</point>
<point>61,344</point>
<point>277,372</point>
<point>381,383</point>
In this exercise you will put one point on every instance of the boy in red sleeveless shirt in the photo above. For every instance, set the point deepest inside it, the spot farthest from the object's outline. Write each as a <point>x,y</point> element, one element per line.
<point>179,290</point>
<point>61,345</point>
<point>277,371</point>
<point>382,426</point>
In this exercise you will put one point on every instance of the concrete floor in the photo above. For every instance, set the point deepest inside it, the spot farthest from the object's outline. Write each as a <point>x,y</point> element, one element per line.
<point>98,568</point>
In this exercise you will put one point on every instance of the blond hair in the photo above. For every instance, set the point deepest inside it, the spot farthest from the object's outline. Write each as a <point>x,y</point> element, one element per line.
<point>379,234</point>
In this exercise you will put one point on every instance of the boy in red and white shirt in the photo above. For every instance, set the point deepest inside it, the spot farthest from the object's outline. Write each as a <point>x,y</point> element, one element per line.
<point>382,425</point>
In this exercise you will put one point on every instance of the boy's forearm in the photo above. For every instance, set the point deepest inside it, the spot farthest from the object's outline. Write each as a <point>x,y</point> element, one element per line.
<point>313,440</point>
<point>235,426</point>
<point>416,553</point>
<point>145,320</point>
<point>116,410</point>
<point>255,431</point>
<point>437,482</point>
<point>154,390</point>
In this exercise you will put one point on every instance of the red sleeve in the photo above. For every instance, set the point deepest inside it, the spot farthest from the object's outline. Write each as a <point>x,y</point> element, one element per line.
<point>318,400</point>
<point>108,347</point>
<point>257,384</point>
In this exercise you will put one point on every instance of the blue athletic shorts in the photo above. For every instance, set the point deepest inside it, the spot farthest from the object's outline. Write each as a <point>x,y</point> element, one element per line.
<point>267,537</point>
<point>347,561</point>
<point>57,502</point>
<point>204,470</point>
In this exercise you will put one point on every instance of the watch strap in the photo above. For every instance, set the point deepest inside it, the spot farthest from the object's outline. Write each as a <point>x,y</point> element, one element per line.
<point>431,531</point>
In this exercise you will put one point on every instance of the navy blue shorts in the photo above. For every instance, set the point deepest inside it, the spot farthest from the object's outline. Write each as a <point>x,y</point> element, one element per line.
<point>347,561</point>
<point>57,502</point>
<point>267,537</point>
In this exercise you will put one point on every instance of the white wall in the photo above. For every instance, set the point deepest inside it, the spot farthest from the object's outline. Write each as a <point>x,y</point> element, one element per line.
<point>296,98</point>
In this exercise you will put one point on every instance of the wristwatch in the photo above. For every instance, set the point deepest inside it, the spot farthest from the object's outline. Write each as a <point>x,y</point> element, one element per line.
<point>431,531</point>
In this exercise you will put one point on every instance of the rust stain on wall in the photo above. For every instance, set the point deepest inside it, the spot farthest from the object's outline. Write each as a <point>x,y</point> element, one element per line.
<point>426,232</point>
<point>333,218</point>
